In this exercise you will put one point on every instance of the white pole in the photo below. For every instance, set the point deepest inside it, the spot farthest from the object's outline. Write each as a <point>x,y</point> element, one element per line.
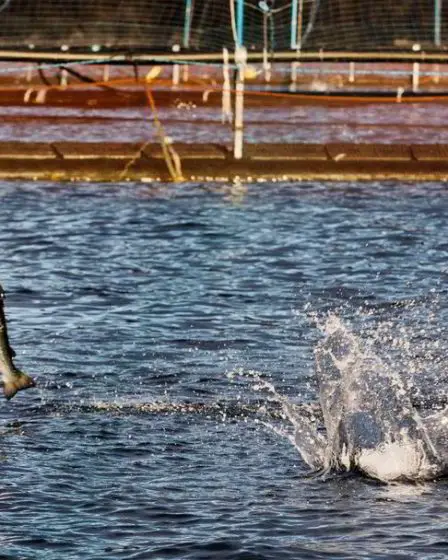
<point>266,66</point>
<point>185,73</point>
<point>416,47</point>
<point>294,67</point>
<point>351,72</point>
<point>176,69</point>
<point>436,76</point>
<point>226,97</point>
<point>64,78</point>
<point>240,60</point>
<point>106,73</point>
<point>415,76</point>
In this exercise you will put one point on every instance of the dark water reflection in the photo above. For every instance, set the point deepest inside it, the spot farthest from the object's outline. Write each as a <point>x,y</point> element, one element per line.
<point>138,293</point>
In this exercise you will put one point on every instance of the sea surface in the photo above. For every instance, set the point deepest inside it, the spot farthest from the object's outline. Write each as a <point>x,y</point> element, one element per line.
<point>145,312</point>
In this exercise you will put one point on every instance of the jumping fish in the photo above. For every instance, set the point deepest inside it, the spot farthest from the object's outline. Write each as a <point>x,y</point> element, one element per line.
<point>371,423</point>
<point>12,378</point>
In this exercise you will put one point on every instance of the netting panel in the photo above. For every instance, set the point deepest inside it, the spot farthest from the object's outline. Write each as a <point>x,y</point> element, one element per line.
<point>157,25</point>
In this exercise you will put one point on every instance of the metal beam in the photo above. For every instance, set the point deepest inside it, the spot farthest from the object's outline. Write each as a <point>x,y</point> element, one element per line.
<point>57,58</point>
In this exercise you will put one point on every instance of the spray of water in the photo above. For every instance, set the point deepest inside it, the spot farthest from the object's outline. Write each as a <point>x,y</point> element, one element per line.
<point>370,423</point>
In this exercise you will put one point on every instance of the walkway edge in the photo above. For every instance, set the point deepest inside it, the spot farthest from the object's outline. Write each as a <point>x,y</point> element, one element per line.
<point>118,162</point>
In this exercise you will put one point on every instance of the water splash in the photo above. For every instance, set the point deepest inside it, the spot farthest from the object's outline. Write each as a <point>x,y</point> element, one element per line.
<point>303,419</point>
<point>370,422</point>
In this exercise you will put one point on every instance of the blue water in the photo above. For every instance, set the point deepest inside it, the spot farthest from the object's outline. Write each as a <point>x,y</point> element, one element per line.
<point>123,296</point>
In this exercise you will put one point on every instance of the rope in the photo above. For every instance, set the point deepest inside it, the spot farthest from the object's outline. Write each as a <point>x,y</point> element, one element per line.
<point>170,156</point>
<point>172,163</point>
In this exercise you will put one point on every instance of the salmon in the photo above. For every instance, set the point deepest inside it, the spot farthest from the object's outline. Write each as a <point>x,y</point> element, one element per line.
<point>13,379</point>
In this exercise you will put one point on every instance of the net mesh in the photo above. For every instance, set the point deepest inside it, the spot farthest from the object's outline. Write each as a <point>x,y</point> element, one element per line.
<point>206,25</point>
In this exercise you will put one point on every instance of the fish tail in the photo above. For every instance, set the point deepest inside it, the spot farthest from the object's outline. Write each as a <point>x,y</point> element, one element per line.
<point>20,381</point>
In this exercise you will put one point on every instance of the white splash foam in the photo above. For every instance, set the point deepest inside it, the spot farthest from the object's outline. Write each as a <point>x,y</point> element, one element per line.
<point>369,419</point>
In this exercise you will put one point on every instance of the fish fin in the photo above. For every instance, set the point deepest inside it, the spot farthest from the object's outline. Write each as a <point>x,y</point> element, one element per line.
<point>19,382</point>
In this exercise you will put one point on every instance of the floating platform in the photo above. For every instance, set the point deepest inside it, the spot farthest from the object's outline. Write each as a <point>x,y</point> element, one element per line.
<point>113,162</point>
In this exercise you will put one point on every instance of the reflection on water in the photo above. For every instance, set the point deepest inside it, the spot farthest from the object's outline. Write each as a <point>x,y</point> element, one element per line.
<point>129,301</point>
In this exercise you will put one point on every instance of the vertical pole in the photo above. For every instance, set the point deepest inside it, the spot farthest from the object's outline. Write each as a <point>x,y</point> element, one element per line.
<point>240,22</point>
<point>106,73</point>
<point>64,78</point>
<point>266,66</point>
<point>416,47</point>
<point>226,100</point>
<point>437,35</point>
<point>187,32</point>
<point>296,38</point>
<point>176,69</point>
<point>351,72</point>
<point>415,76</point>
<point>187,23</point>
<point>299,26</point>
<point>294,67</point>
<point>240,60</point>
<point>437,22</point>
<point>436,73</point>
<point>185,73</point>
<point>266,63</point>
<point>294,11</point>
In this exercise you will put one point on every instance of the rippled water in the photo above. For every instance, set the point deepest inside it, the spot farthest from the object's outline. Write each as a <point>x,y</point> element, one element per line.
<point>416,123</point>
<point>123,296</point>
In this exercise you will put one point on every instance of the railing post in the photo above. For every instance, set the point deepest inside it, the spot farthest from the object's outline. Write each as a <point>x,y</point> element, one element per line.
<point>226,98</point>
<point>415,69</point>
<point>294,11</point>
<point>187,23</point>
<point>437,35</point>
<point>415,76</point>
<point>240,60</point>
<point>296,38</point>
<point>266,63</point>
<point>351,72</point>
<point>240,22</point>
<point>176,69</point>
<point>187,33</point>
<point>437,22</point>
<point>63,78</point>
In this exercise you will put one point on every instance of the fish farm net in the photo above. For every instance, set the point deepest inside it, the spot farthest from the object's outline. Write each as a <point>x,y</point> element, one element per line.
<point>209,25</point>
